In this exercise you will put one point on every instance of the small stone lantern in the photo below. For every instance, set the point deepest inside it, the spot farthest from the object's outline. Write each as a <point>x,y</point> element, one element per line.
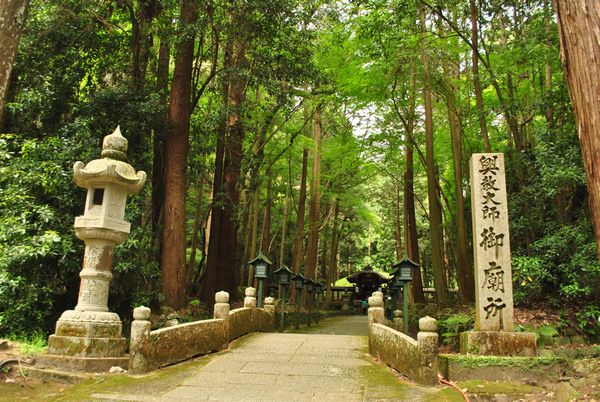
<point>262,267</point>
<point>284,278</point>
<point>89,337</point>
<point>401,277</point>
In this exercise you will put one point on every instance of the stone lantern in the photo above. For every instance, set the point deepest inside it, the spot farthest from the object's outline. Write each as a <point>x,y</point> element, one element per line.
<point>89,337</point>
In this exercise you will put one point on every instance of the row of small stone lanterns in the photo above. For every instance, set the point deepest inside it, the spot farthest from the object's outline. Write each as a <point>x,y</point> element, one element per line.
<point>285,278</point>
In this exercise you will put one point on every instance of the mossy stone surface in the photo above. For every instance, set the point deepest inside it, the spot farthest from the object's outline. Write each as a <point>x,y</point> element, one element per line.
<point>504,368</point>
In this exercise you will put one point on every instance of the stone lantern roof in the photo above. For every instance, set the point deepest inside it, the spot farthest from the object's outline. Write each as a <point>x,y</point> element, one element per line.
<point>111,168</point>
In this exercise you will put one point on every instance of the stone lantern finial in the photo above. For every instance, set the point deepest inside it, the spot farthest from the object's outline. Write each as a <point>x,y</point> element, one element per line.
<point>115,146</point>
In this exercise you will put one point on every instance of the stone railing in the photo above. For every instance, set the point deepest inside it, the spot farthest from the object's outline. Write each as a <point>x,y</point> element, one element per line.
<point>417,359</point>
<point>150,350</point>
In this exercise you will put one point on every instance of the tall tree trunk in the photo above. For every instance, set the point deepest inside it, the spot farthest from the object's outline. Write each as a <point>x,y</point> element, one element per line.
<point>284,228</point>
<point>247,229</point>
<point>331,277</point>
<point>313,217</point>
<point>549,110</point>
<point>209,285</point>
<point>299,234</point>
<point>579,30</point>
<point>435,214</point>
<point>226,263</point>
<point>13,14</point>
<point>464,273</point>
<point>265,237</point>
<point>322,273</point>
<point>476,82</point>
<point>198,217</point>
<point>173,262</point>
<point>410,221</point>
<point>141,40</point>
<point>397,219</point>
<point>158,149</point>
<point>254,233</point>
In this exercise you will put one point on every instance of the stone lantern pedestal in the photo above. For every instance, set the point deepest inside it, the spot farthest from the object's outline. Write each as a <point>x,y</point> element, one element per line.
<point>88,338</point>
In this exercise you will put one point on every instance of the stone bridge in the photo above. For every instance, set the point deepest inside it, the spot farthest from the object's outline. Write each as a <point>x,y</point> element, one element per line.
<point>328,362</point>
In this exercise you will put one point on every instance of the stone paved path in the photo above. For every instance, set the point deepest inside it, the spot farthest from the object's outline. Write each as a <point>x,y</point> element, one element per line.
<point>328,362</point>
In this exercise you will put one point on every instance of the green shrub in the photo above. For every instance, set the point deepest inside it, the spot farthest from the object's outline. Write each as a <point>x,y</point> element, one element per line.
<point>451,327</point>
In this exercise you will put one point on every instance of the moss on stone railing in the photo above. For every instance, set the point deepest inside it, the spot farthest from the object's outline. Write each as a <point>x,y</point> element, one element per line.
<point>150,350</point>
<point>417,359</point>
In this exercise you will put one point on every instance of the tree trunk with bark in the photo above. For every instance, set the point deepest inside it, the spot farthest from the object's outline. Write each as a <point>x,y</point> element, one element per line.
<point>299,233</point>
<point>158,149</point>
<point>227,253</point>
<point>397,219</point>
<point>579,30</point>
<point>265,237</point>
<point>209,279</point>
<point>464,273</point>
<point>435,214</point>
<point>141,39</point>
<point>13,14</point>
<point>476,82</point>
<point>284,228</point>
<point>173,264</point>
<point>331,277</point>
<point>313,217</point>
<point>410,220</point>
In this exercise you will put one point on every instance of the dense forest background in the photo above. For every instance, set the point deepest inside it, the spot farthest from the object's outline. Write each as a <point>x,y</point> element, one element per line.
<point>327,134</point>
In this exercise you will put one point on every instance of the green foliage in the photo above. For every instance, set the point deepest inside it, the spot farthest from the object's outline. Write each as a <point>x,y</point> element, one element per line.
<point>38,260</point>
<point>30,344</point>
<point>528,276</point>
<point>588,320</point>
<point>357,61</point>
<point>451,327</point>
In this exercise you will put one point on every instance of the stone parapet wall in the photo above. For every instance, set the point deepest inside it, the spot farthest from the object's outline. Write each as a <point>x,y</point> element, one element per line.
<point>180,342</point>
<point>417,359</point>
<point>395,349</point>
<point>245,320</point>
<point>152,349</point>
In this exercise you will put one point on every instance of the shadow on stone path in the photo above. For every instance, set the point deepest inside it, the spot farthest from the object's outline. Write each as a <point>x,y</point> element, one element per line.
<point>326,362</point>
<point>342,325</point>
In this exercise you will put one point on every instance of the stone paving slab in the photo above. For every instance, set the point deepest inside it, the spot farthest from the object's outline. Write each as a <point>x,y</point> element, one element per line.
<point>208,379</point>
<point>226,365</point>
<point>287,368</point>
<point>336,360</point>
<point>260,357</point>
<point>304,382</point>
<point>123,397</point>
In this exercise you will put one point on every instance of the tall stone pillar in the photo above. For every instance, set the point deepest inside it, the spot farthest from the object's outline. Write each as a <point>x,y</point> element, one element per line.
<point>89,337</point>
<point>494,322</point>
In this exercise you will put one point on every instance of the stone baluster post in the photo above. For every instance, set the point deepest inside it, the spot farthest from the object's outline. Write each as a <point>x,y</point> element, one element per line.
<point>376,312</point>
<point>427,339</point>
<point>269,307</point>
<point>221,310</point>
<point>140,332</point>
<point>250,299</point>
<point>398,320</point>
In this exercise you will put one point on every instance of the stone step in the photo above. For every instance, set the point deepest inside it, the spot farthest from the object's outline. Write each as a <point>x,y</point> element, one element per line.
<point>53,375</point>
<point>81,364</point>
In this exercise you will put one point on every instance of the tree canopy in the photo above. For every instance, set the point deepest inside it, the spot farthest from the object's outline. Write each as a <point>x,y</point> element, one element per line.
<point>327,134</point>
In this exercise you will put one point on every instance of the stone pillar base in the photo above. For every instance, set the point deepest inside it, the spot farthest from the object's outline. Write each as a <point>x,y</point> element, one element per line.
<point>88,341</point>
<point>498,343</point>
<point>85,364</point>
<point>86,347</point>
